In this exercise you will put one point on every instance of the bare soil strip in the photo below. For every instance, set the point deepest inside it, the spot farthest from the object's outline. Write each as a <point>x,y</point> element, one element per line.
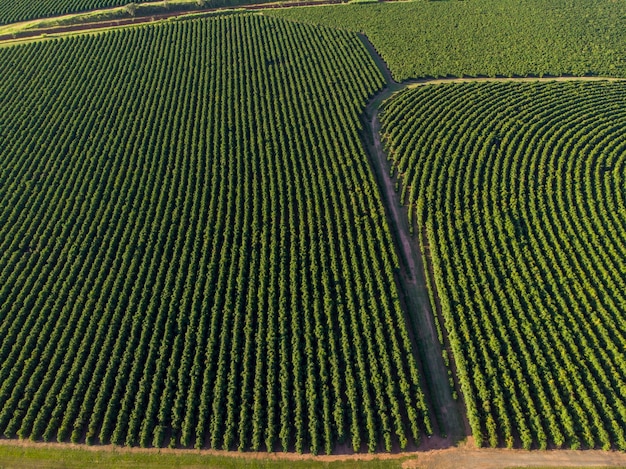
<point>465,457</point>
<point>460,458</point>
<point>250,455</point>
<point>448,413</point>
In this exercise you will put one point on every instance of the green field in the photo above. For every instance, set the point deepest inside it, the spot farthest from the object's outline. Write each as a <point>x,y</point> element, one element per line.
<point>69,458</point>
<point>193,250</point>
<point>234,231</point>
<point>486,37</point>
<point>517,192</point>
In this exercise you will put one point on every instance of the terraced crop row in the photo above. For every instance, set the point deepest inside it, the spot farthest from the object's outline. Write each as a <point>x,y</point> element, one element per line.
<point>192,249</point>
<point>518,192</point>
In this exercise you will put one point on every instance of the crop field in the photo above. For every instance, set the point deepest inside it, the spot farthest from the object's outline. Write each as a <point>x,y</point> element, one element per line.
<point>485,37</point>
<point>395,228</point>
<point>516,194</point>
<point>192,248</point>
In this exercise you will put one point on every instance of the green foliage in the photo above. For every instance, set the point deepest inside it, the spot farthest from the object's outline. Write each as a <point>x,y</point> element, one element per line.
<point>486,37</point>
<point>193,248</point>
<point>520,189</point>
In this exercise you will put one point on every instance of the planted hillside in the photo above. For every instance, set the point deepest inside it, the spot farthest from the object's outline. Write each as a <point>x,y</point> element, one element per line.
<point>485,37</point>
<point>192,248</point>
<point>516,191</point>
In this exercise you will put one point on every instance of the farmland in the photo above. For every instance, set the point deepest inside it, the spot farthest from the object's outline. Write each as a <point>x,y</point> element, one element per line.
<point>485,37</point>
<point>193,249</point>
<point>392,228</point>
<point>516,192</point>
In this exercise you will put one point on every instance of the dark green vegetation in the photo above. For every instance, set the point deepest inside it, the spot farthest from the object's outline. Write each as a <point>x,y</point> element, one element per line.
<point>486,37</point>
<point>192,247</point>
<point>517,191</point>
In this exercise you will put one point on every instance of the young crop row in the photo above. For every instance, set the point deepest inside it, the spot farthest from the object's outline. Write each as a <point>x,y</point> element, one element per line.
<point>518,191</point>
<point>192,249</point>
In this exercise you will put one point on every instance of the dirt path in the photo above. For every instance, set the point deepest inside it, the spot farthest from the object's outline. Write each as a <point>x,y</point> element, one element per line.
<point>456,458</point>
<point>378,59</point>
<point>459,458</point>
<point>448,413</point>
<point>439,81</point>
<point>248,455</point>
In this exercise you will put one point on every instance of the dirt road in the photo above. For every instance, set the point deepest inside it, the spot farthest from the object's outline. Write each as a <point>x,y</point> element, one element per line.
<point>459,458</point>
<point>440,81</point>
<point>456,458</point>
<point>448,413</point>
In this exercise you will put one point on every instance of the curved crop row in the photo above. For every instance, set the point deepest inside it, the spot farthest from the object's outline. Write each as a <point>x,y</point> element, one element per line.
<point>192,248</point>
<point>518,190</point>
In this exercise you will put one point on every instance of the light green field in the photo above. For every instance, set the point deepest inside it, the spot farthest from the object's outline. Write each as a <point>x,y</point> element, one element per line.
<point>486,37</point>
<point>53,458</point>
